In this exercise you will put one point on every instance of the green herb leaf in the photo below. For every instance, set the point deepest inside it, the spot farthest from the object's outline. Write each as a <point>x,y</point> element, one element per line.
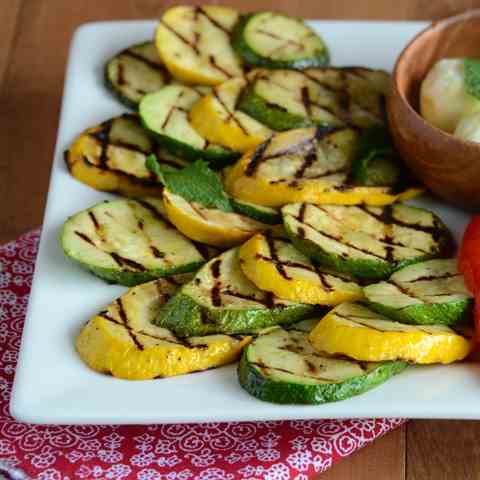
<point>195,183</point>
<point>472,76</point>
<point>375,161</point>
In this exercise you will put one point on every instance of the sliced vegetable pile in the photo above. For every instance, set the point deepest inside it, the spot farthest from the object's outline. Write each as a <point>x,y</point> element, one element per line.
<point>261,219</point>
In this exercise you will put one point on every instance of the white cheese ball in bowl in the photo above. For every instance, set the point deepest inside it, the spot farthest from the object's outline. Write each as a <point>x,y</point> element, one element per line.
<point>468,128</point>
<point>443,97</point>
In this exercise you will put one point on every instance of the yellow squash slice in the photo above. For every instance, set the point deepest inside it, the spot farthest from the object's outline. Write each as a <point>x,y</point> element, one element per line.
<point>357,332</point>
<point>123,341</point>
<point>210,226</point>
<point>305,165</point>
<point>111,157</point>
<point>272,263</point>
<point>194,44</point>
<point>216,118</point>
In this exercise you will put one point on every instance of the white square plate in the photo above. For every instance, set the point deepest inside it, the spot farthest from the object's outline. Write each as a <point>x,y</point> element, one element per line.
<point>52,385</point>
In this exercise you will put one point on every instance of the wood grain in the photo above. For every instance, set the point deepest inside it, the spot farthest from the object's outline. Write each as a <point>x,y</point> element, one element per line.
<point>34,38</point>
<point>443,450</point>
<point>383,459</point>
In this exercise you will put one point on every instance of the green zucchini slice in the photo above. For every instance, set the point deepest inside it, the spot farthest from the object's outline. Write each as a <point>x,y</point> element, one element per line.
<point>427,293</point>
<point>112,157</point>
<point>286,99</point>
<point>275,40</point>
<point>220,299</point>
<point>366,242</point>
<point>165,115</point>
<point>282,367</point>
<point>267,215</point>
<point>128,242</point>
<point>134,72</point>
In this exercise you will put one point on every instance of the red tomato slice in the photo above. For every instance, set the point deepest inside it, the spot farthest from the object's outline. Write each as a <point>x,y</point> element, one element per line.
<point>469,257</point>
<point>469,265</point>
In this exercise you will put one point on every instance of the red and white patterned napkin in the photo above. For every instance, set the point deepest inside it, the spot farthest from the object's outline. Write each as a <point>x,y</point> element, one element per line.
<point>296,450</point>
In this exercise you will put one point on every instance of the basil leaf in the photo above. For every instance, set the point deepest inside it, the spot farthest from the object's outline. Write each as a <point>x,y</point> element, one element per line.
<point>195,183</point>
<point>472,76</point>
<point>375,162</point>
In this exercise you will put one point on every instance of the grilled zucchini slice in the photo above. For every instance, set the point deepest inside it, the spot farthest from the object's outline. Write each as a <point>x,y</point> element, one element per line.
<point>286,99</point>
<point>354,330</point>
<point>282,367</point>
<point>134,72</point>
<point>427,293</point>
<point>366,242</point>
<point>275,40</point>
<point>215,117</point>
<point>272,263</point>
<point>111,157</point>
<point>128,242</point>
<point>209,225</point>
<point>306,164</point>
<point>220,299</point>
<point>194,44</point>
<point>268,215</point>
<point>165,114</point>
<point>122,341</point>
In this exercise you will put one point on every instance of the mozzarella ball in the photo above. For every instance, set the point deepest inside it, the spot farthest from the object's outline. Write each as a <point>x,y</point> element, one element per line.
<point>443,98</point>
<point>468,128</point>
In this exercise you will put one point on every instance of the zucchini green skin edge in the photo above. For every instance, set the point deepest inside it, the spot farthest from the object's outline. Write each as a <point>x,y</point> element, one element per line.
<point>359,269</point>
<point>261,214</point>
<point>282,392</point>
<point>131,279</point>
<point>187,318</point>
<point>251,57</point>
<point>217,158</point>
<point>450,314</point>
<point>270,115</point>
<point>122,98</point>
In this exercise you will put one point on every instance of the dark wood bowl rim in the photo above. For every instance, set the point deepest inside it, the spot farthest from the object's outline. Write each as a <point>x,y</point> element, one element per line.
<point>437,25</point>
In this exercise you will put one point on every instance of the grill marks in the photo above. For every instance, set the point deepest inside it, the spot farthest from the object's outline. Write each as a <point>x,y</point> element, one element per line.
<point>103,138</point>
<point>126,262</point>
<point>230,114</point>
<point>94,220</point>
<point>264,367</point>
<point>282,264</point>
<point>308,161</point>
<point>102,243</point>
<point>274,256</point>
<point>433,277</point>
<point>306,101</point>
<point>141,58</point>
<point>388,241</point>
<point>403,287</point>
<point>337,86</point>
<point>104,159</point>
<point>183,39</point>
<point>257,158</point>
<point>85,237</point>
<point>388,218</point>
<point>306,149</point>
<point>221,288</point>
<point>336,238</point>
<point>197,35</point>
<point>436,231</point>
<point>215,23</point>
<point>213,62</point>
<point>124,318</point>
<point>215,291</point>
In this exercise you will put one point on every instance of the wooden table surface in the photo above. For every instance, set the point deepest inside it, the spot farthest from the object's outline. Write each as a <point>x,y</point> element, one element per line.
<point>34,38</point>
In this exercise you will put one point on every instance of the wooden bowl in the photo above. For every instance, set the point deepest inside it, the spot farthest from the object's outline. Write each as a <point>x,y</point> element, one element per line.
<point>447,165</point>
